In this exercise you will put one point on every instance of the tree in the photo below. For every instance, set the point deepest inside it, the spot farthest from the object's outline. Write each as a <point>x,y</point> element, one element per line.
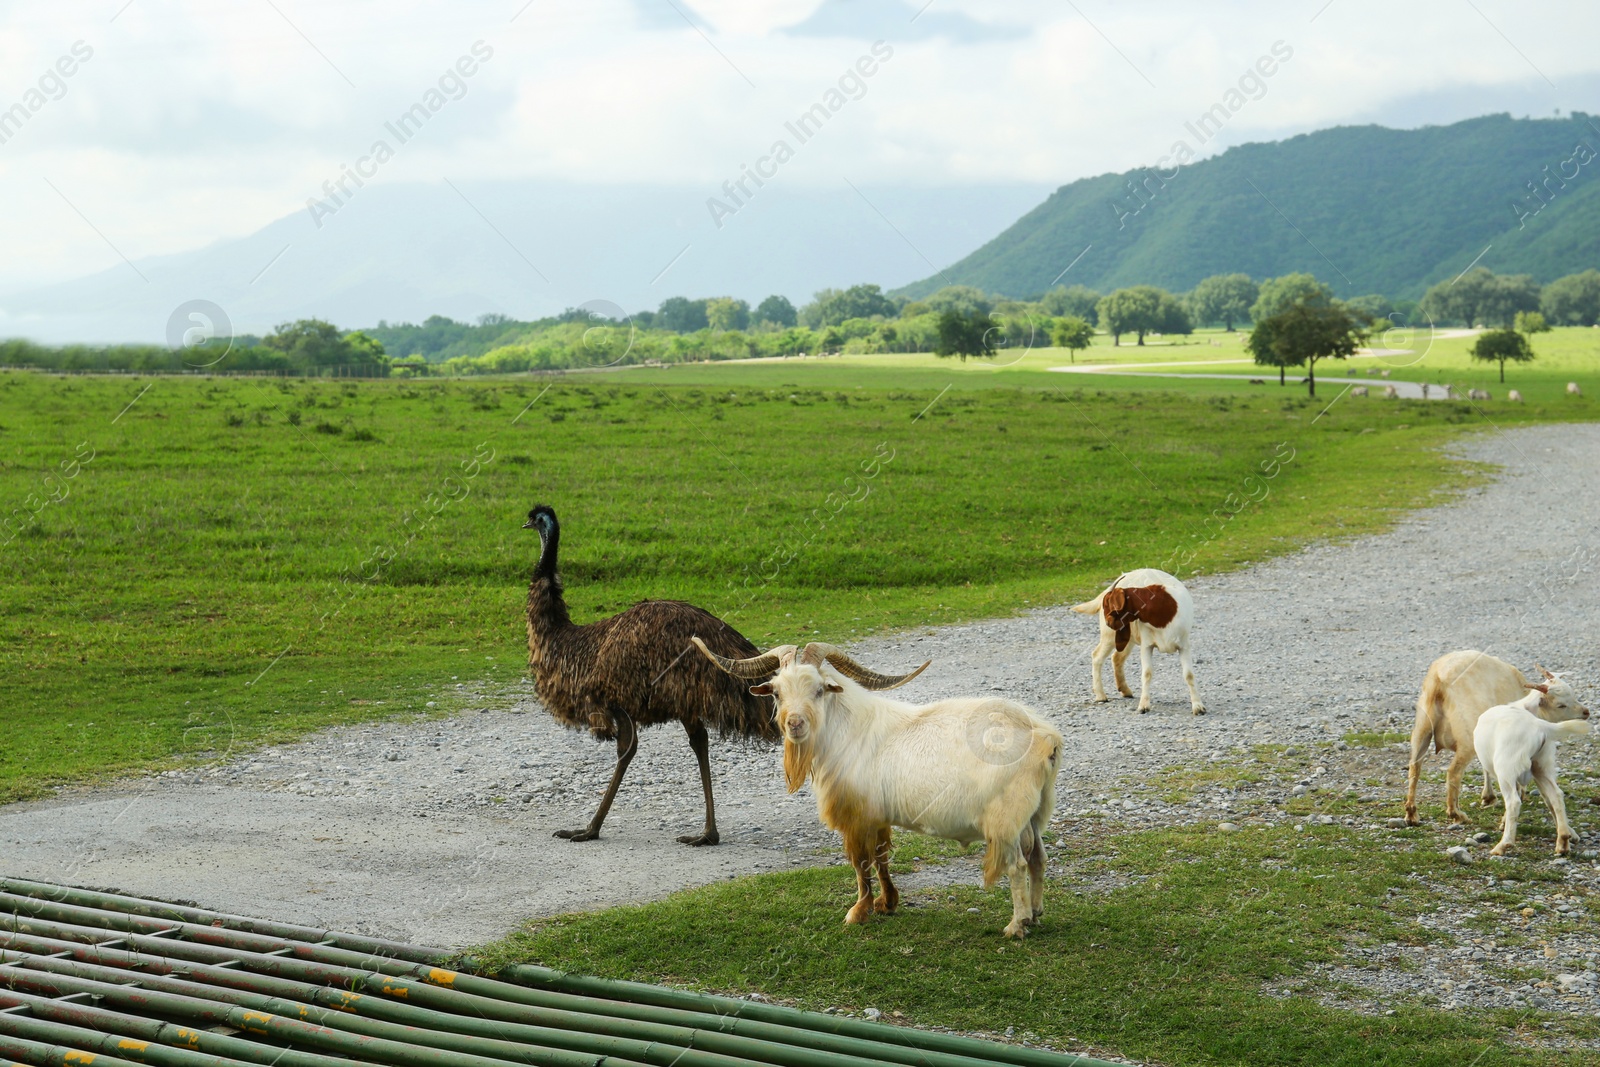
<point>1073,334</point>
<point>1174,316</point>
<point>1306,332</point>
<point>776,310</point>
<point>1480,296</point>
<point>1498,346</point>
<point>830,307</point>
<point>963,299</point>
<point>1279,294</point>
<point>963,335</point>
<point>726,313</point>
<point>1373,305</point>
<point>1133,310</point>
<point>1573,300</point>
<point>1076,301</point>
<point>1224,298</point>
<point>681,315</point>
<point>310,343</point>
<point>364,348</point>
<point>1529,323</point>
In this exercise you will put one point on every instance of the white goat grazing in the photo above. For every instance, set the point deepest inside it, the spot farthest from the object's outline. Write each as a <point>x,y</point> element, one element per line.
<point>966,770</point>
<point>1390,392</point>
<point>1478,394</point>
<point>1514,396</point>
<point>1458,688</point>
<point>1573,390</point>
<point>1517,747</point>
<point>1359,390</point>
<point>1149,608</point>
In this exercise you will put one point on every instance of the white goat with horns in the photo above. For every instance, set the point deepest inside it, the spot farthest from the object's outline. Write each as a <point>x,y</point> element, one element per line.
<point>966,770</point>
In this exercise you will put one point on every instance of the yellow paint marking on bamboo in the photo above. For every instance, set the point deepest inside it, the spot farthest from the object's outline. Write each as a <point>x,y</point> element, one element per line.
<point>74,1056</point>
<point>439,977</point>
<point>257,1022</point>
<point>189,1037</point>
<point>396,991</point>
<point>128,1044</point>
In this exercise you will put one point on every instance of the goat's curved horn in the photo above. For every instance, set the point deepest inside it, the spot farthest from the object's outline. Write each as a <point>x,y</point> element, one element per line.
<point>761,666</point>
<point>817,651</point>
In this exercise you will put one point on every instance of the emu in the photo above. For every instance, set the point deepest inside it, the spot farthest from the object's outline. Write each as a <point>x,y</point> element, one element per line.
<point>635,669</point>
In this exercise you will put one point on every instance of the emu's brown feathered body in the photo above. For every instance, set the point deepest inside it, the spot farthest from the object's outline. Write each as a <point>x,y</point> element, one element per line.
<point>635,669</point>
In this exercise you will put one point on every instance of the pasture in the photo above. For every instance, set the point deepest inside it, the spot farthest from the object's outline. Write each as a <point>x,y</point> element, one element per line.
<point>237,562</point>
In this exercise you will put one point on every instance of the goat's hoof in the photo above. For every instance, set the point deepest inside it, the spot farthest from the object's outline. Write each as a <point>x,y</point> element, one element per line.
<point>1563,846</point>
<point>1199,709</point>
<point>585,834</point>
<point>1143,708</point>
<point>699,839</point>
<point>1017,929</point>
<point>857,915</point>
<point>884,906</point>
<point>1038,913</point>
<point>1126,693</point>
<point>1100,698</point>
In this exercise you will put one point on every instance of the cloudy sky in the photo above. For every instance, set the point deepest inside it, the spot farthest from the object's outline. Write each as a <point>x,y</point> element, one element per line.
<point>184,123</point>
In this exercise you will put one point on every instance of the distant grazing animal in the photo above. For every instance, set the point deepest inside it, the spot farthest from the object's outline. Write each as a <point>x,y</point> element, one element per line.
<point>635,669</point>
<point>1424,390</point>
<point>1258,381</point>
<point>982,769</point>
<point>1478,394</point>
<point>1460,687</point>
<point>1517,747</point>
<point>1390,392</point>
<point>1573,390</point>
<point>1359,390</point>
<point>1514,396</point>
<point>1383,374</point>
<point>1149,608</point>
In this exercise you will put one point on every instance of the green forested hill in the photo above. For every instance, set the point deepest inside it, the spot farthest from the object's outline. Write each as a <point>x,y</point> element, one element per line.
<point>1365,208</point>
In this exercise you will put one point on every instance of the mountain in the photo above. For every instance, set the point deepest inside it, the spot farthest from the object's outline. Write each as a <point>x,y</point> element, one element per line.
<point>1365,208</point>
<point>525,248</point>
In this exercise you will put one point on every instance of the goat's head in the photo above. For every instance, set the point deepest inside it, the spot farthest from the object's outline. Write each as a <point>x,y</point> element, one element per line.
<point>802,686</point>
<point>1119,608</point>
<point>1559,701</point>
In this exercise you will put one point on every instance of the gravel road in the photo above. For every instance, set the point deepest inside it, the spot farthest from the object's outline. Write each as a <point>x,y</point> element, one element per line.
<point>439,831</point>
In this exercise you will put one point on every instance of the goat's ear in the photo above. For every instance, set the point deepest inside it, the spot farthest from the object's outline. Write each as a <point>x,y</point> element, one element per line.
<point>762,690</point>
<point>832,687</point>
<point>1113,603</point>
<point>1541,688</point>
<point>1544,672</point>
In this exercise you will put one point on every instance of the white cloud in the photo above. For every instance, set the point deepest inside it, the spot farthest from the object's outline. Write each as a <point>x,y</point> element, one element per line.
<point>198,121</point>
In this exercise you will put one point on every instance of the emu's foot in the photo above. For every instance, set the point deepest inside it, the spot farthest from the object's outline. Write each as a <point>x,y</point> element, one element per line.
<point>710,837</point>
<point>588,833</point>
<point>1016,928</point>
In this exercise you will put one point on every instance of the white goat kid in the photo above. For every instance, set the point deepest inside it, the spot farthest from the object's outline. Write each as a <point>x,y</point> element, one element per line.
<point>1518,747</point>
<point>966,770</point>
<point>1148,608</point>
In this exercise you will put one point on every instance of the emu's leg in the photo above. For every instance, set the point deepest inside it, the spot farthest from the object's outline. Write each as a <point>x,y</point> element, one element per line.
<point>889,900</point>
<point>702,752</point>
<point>858,846</point>
<point>627,744</point>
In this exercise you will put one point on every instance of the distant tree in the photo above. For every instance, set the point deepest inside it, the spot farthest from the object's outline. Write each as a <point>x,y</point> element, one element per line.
<point>726,313</point>
<point>1373,305</point>
<point>963,299</point>
<point>1174,316</point>
<point>776,310</point>
<point>1573,300</point>
<point>1529,323</point>
<point>682,315</point>
<point>1073,334</point>
<point>1278,294</point>
<point>1224,298</point>
<point>963,335</point>
<point>1481,297</point>
<point>1304,333</point>
<point>1076,301</point>
<point>1135,310</point>
<point>1498,346</point>
<point>832,306</point>
<point>311,343</point>
<point>364,348</point>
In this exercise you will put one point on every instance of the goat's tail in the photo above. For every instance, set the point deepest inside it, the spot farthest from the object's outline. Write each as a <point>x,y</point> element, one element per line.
<point>1568,728</point>
<point>1090,607</point>
<point>1430,710</point>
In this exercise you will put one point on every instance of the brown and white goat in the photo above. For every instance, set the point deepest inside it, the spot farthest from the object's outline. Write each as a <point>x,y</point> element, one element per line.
<point>966,770</point>
<point>1458,689</point>
<point>1148,608</point>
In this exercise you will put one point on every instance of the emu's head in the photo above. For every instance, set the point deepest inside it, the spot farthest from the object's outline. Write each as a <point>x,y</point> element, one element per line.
<point>1559,701</point>
<point>543,519</point>
<point>803,687</point>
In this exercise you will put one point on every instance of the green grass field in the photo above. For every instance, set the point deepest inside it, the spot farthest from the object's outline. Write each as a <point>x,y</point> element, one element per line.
<point>194,565</point>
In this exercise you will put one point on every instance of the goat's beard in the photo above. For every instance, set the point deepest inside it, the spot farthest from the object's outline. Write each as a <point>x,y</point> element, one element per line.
<point>797,757</point>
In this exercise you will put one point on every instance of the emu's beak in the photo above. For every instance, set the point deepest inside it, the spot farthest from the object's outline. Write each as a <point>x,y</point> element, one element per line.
<point>528,525</point>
